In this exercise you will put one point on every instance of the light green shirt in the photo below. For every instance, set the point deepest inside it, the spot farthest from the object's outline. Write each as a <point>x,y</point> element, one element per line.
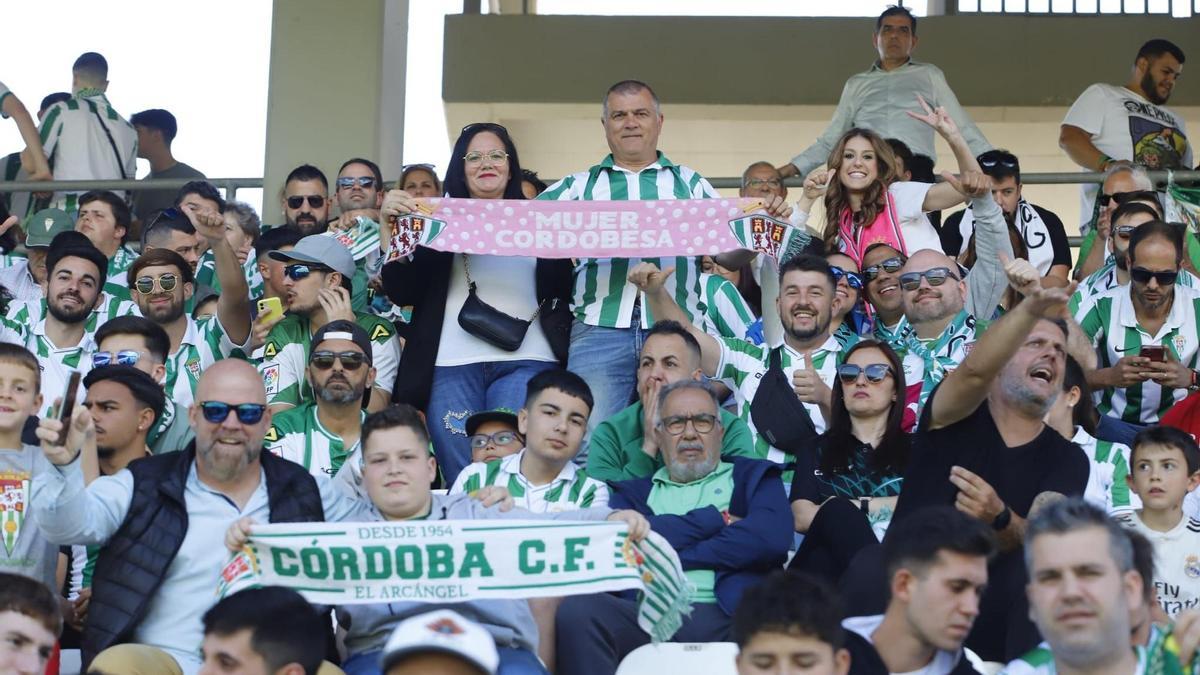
<point>670,498</point>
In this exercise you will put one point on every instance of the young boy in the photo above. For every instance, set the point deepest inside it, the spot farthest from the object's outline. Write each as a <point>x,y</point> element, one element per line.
<point>541,477</point>
<point>1164,468</point>
<point>494,434</point>
<point>29,624</point>
<point>790,623</point>
<point>25,550</point>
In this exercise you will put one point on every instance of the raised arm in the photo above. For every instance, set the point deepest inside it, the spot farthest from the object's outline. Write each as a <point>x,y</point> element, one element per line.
<point>966,387</point>
<point>233,304</point>
<point>649,279</point>
<point>944,97</point>
<point>987,281</point>
<point>945,195</point>
<point>34,155</point>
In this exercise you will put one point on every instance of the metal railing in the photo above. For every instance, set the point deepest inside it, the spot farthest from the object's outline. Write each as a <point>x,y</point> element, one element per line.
<point>231,185</point>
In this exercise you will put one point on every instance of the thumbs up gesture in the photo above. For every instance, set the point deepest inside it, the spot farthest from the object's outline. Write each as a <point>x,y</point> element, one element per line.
<point>809,386</point>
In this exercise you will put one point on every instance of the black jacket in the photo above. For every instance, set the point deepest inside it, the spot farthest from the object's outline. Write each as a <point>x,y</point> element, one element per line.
<point>133,563</point>
<point>864,660</point>
<point>424,283</point>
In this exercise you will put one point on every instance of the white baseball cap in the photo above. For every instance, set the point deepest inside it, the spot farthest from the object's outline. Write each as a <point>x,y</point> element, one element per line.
<point>445,631</point>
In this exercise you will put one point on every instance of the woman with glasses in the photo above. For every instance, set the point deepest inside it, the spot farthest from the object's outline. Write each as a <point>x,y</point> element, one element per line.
<point>844,493</point>
<point>449,370</point>
<point>864,201</point>
<point>420,180</point>
<point>847,322</point>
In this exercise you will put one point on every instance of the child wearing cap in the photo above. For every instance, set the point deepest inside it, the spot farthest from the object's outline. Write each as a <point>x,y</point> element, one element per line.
<point>494,434</point>
<point>441,641</point>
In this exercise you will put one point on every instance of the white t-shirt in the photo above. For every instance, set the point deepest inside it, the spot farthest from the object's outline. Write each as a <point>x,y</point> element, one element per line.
<point>918,232</point>
<point>1124,125</point>
<point>1176,561</point>
<point>506,283</point>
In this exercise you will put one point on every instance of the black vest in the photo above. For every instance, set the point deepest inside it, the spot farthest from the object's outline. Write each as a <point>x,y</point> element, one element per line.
<point>134,561</point>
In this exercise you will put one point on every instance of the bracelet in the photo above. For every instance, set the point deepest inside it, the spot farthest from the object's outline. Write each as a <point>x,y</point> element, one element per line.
<point>1105,160</point>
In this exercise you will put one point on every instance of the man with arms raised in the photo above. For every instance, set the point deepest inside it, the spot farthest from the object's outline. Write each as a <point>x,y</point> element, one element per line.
<point>625,446</point>
<point>982,446</point>
<point>151,618</point>
<point>163,282</point>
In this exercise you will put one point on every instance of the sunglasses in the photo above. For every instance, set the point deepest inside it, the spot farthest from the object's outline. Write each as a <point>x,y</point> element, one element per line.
<point>125,357</point>
<point>1143,276</point>
<point>848,372</point>
<point>217,412</point>
<point>936,276</point>
<point>480,441</point>
<point>484,126</point>
<point>852,279</point>
<point>165,283</point>
<point>1008,162</point>
<point>314,201</point>
<point>424,166</point>
<point>298,272</point>
<point>702,423</point>
<point>323,360</point>
<point>1126,197</point>
<point>351,181</point>
<point>1125,231</point>
<point>891,266</point>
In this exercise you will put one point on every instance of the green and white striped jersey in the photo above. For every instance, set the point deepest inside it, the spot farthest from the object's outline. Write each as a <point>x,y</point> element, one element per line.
<point>1105,279</point>
<point>73,135</point>
<point>1106,486</point>
<point>572,489</point>
<point>726,312</point>
<point>1159,656</point>
<point>742,367</point>
<point>116,281</point>
<point>57,364</point>
<point>1109,321</point>
<point>206,273</point>
<point>204,343</point>
<point>23,315</point>
<point>603,296</point>
<point>285,356</point>
<point>298,435</point>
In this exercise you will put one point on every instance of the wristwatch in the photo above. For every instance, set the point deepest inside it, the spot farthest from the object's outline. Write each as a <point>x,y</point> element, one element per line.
<point>1001,522</point>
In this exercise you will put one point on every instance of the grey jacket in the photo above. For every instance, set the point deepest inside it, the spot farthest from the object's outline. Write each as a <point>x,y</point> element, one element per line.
<point>509,621</point>
<point>987,282</point>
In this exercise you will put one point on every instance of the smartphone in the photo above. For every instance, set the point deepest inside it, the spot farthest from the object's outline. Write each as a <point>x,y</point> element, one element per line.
<point>270,309</point>
<point>68,405</point>
<point>1154,353</point>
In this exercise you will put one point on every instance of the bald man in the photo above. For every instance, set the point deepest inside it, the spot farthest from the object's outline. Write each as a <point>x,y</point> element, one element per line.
<point>162,521</point>
<point>941,305</point>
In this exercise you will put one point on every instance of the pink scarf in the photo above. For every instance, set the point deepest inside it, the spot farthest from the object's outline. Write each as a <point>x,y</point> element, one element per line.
<point>856,240</point>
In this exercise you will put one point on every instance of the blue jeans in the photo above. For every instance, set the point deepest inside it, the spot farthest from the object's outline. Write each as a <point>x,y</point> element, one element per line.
<point>607,359</point>
<point>513,661</point>
<point>461,391</point>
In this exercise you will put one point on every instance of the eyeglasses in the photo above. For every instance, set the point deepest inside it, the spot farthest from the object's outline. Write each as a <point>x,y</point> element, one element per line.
<point>848,372</point>
<point>323,360</point>
<point>298,272</point>
<point>936,276</point>
<point>217,412</point>
<point>852,279</point>
<point>494,156</point>
<point>125,357</point>
<point>891,266</point>
<point>701,422</point>
<point>314,201</point>
<point>1131,196</point>
<point>349,182</point>
<point>763,182</point>
<point>1125,231</point>
<point>1006,161</point>
<point>480,441</point>
<point>1143,276</point>
<point>165,282</point>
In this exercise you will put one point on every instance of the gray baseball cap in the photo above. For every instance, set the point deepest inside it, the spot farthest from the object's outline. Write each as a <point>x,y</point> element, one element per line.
<point>44,225</point>
<point>322,250</point>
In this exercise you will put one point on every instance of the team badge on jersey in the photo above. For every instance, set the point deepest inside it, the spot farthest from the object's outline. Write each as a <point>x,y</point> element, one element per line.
<point>1180,343</point>
<point>1191,567</point>
<point>193,367</point>
<point>14,489</point>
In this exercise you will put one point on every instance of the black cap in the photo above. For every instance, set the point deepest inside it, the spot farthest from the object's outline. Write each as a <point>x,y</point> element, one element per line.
<point>344,330</point>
